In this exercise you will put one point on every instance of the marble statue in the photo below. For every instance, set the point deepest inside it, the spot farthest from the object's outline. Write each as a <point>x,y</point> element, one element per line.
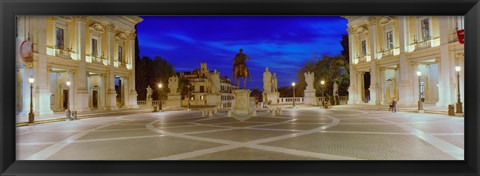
<point>335,88</point>
<point>149,93</point>
<point>215,82</point>
<point>274,83</point>
<point>173,84</point>
<point>267,81</point>
<point>309,77</point>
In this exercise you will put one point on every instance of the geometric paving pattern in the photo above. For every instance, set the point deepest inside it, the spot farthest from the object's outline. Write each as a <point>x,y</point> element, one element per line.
<point>310,133</point>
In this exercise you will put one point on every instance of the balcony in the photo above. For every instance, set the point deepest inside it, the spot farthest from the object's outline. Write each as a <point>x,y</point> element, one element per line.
<point>423,45</point>
<point>117,63</point>
<point>63,53</point>
<point>104,61</point>
<point>452,38</point>
<point>361,59</point>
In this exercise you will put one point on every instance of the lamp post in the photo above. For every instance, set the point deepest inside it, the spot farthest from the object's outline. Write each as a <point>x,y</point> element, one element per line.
<point>420,103</point>
<point>293,88</point>
<point>67,116</point>
<point>189,97</point>
<point>459,102</point>
<point>31,115</point>
<point>160,96</point>
<point>322,82</point>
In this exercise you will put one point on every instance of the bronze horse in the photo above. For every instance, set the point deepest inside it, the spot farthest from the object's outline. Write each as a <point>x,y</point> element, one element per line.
<point>240,69</point>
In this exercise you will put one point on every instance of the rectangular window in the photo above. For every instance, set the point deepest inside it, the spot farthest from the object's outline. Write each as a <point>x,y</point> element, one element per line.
<point>59,38</point>
<point>389,40</point>
<point>425,30</point>
<point>94,48</point>
<point>119,59</point>
<point>364,47</point>
<point>202,89</point>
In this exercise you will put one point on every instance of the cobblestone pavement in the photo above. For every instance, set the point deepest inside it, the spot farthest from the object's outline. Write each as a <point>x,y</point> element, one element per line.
<point>311,133</point>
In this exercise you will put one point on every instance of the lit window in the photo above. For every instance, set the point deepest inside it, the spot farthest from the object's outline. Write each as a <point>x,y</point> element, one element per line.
<point>59,38</point>
<point>94,48</point>
<point>364,47</point>
<point>119,59</point>
<point>425,30</point>
<point>389,40</point>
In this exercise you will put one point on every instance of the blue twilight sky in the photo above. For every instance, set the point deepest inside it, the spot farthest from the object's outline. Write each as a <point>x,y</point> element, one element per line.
<point>282,43</point>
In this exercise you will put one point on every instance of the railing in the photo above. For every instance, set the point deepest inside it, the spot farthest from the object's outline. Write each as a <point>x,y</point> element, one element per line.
<point>105,61</point>
<point>423,45</point>
<point>227,103</point>
<point>387,53</point>
<point>141,103</point>
<point>360,59</point>
<point>342,99</point>
<point>117,63</point>
<point>452,37</point>
<point>288,100</point>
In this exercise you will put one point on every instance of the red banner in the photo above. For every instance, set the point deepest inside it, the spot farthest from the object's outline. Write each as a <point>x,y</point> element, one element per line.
<point>461,36</point>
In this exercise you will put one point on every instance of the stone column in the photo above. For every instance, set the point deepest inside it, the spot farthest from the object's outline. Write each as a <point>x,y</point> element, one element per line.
<point>444,87</point>
<point>352,89</point>
<point>102,94</point>
<point>360,92</point>
<point>25,69</point>
<point>81,86</point>
<point>382,88</point>
<point>41,88</point>
<point>72,90</point>
<point>416,85</point>
<point>111,98</point>
<point>374,88</point>
<point>132,103</point>
<point>405,91</point>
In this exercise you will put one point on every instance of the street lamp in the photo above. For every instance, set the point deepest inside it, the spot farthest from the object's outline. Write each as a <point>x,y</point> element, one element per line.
<point>67,112</point>
<point>420,103</point>
<point>31,115</point>
<point>293,86</point>
<point>189,97</point>
<point>322,82</point>
<point>160,96</point>
<point>459,103</point>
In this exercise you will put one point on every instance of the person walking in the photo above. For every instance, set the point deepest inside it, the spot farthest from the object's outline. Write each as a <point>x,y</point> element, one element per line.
<point>394,104</point>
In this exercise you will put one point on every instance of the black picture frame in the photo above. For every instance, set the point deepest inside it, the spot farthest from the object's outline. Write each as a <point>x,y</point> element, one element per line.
<point>9,8</point>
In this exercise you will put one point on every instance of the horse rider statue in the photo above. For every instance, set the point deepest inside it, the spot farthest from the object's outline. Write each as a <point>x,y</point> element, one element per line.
<point>240,69</point>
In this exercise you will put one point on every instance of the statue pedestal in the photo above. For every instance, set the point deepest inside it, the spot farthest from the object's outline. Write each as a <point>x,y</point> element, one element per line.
<point>149,102</point>
<point>271,96</point>
<point>173,101</point>
<point>310,98</point>
<point>213,100</point>
<point>241,106</point>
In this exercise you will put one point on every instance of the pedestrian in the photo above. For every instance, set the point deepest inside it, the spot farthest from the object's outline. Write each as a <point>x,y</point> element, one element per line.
<point>394,104</point>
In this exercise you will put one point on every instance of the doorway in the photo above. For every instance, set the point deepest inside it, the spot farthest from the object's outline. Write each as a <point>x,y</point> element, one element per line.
<point>65,99</point>
<point>95,99</point>
<point>366,87</point>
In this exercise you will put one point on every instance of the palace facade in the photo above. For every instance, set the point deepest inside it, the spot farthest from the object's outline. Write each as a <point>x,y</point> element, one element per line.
<point>201,83</point>
<point>386,52</point>
<point>94,54</point>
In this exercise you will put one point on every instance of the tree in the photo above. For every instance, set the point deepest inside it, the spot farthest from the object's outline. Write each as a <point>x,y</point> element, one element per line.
<point>184,82</point>
<point>159,72</point>
<point>257,93</point>
<point>286,91</point>
<point>142,76</point>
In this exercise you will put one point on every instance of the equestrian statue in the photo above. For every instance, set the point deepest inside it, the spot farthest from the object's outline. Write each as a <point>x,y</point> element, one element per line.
<point>240,69</point>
